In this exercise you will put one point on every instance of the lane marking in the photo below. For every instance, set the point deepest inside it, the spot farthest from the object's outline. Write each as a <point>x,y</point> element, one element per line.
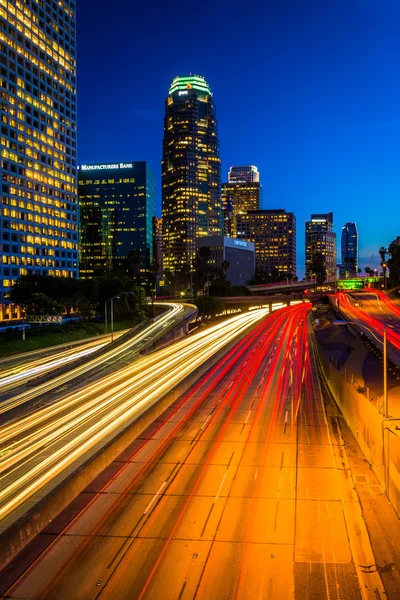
<point>220,487</point>
<point>162,486</point>
<point>205,422</point>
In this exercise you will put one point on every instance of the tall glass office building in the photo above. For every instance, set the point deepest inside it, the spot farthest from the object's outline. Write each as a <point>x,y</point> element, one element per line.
<point>117,208</point>
<point>39,210</point>
<point>349,247</point>
<point>191,170</point>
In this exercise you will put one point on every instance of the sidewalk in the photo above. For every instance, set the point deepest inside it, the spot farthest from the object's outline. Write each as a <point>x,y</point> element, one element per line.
<point>381,520</point>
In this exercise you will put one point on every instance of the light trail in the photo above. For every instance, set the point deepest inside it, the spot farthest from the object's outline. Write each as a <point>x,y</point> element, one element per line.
<point>22,373</point>
<point>235,473</point>
<point>376,324</point>
<point>173,313</point>
<point>37,448</point>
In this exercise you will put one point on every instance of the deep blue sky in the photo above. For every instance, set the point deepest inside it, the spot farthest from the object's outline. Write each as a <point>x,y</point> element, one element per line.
<point>309,91</point>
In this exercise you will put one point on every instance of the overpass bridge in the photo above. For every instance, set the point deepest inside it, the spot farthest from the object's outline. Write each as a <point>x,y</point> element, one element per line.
<point>299,286</point>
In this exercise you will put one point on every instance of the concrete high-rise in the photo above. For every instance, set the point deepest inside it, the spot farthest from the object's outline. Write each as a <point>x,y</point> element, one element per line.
<point>242,193</point>
<point>273,233</point>
<point>321,239</point>
<point>191,171</point>
<point>117,208</point>
<point>349,247</point>
<point>39,209</point>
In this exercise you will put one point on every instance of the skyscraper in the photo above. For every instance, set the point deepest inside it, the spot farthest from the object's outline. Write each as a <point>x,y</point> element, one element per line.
<point>273,233</point>
<point>349,247</point>
<point>117,208</point>
<point>247,174</point>
<point>320,238</point>
<point>39,210</point>
<point>242,193</point>
<point>191,170</point>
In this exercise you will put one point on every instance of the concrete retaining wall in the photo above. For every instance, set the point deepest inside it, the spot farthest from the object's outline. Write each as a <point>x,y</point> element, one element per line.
<point>376,436</point>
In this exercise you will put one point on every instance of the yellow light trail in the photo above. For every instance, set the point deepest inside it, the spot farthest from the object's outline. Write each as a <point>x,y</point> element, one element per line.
<point>39,447</point>
<point>174,310</point>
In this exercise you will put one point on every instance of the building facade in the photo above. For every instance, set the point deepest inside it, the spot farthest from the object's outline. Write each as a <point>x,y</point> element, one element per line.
<point>117,207</point>
<point>349,248</point>
<point>238,253</point>
<point>157,244</point>
<point>191,171</point>
<point>39,207</point>
<point>242,193</point>
<point>273,233</point>
<point>320,238</point>
<point>248,174</point>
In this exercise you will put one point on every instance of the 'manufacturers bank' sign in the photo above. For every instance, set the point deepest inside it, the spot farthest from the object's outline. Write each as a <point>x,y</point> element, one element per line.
<point>105,167</point>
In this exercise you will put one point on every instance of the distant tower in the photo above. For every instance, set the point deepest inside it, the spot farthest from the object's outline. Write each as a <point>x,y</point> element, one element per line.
<point>191,171</point>
<point>242,193</point>
<point>320,238</point>
<point>349,245</point>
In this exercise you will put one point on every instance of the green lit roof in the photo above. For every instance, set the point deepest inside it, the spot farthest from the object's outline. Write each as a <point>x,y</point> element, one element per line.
<point>196,82</point>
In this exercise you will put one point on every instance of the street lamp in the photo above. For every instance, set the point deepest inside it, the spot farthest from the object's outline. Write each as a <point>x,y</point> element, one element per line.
<point>112,311</point>
<point>384,267</point>
<point>385,386</point>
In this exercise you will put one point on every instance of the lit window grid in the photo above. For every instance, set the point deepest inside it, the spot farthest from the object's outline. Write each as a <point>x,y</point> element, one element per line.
<point>38,158</point>
<point>274,238</point>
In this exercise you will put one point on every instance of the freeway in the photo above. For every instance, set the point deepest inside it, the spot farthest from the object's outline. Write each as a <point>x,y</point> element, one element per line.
<point>373,309</point>
<point>128,349</point>
<point>24,368</point>
<point>40,447</point>
<point>236,491</point>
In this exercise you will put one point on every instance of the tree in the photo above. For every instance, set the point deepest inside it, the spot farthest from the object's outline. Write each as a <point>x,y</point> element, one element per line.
<point>203,272</point>
<point>394,262</point>
<point>209,306</point>
<point>318,268</point>
<point>83,307</point>
<point>131,264</point>
<point>383,252</point>
<point>27,285</point>
<point>40,304</point>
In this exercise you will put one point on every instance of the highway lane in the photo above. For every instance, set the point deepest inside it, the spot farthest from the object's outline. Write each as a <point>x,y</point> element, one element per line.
<point>374,310</point>
<point>40,447</point>
<point>236,491</point>
<point>129,349</point>
<point>26,369</point>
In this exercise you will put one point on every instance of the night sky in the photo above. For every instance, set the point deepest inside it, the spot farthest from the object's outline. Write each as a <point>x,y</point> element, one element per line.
<point>308,91</point>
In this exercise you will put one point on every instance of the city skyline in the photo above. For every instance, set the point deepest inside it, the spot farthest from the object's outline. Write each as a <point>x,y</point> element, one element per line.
<point>324,138</point>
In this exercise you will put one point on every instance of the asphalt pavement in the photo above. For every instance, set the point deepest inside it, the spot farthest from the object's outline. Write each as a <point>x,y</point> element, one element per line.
<point>239,490</point>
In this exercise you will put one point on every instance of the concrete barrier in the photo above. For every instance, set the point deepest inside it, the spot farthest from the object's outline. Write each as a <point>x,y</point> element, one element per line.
<point>378,437</point>
<point>15,537</point>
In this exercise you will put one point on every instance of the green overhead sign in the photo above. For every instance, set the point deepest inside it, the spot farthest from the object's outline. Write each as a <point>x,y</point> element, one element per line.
<point>350,284</point>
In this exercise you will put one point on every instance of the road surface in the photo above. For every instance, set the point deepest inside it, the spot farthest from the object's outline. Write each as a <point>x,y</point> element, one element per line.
<point>238,491</point>
<point>374,310</point>
<point>127,350</point>
<point>39,449</point>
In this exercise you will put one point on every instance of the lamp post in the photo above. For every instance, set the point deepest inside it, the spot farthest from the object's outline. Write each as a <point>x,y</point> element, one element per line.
<point>111,300</point>
<point>384,267</point>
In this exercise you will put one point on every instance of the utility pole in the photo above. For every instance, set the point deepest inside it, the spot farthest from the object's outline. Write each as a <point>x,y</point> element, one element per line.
<point>385,385</point>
